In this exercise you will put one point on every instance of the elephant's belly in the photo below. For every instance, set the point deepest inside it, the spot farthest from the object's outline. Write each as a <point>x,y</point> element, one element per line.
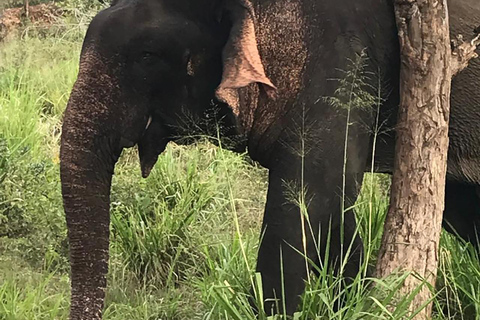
<point>464,132</point>
<point>463,163</point>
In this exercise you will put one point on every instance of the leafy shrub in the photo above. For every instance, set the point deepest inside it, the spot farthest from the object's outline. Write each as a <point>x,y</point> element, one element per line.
<point>14,223</point>
<point>31,211</point>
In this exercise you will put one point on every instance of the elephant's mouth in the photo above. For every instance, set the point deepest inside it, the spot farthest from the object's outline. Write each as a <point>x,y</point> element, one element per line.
<point>214,122</point>
<point>152,144</point>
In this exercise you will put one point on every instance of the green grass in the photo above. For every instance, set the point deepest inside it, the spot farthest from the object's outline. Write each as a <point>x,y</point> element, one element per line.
<point>184,240</point>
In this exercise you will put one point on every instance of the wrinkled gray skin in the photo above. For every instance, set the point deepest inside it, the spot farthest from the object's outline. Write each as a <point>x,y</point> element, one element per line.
<point>266,68</point>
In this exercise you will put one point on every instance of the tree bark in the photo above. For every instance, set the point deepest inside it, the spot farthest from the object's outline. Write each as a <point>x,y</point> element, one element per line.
<point>412,229</point>
<point>26,8</point>
<point>428,62</point>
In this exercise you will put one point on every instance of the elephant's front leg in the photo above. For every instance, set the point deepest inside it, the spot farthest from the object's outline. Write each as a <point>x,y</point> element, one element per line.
<point>281,259</point>
<point>288,239</point>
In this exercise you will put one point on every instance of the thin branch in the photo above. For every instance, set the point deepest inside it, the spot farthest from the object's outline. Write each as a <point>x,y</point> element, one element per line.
<point>464,51</point>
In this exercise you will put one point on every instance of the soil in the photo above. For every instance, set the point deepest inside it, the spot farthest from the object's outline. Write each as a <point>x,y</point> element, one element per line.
<point>13,19</point>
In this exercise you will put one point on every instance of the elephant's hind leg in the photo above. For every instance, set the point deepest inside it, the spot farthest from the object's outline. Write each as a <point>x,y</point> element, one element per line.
<point>462,210</point>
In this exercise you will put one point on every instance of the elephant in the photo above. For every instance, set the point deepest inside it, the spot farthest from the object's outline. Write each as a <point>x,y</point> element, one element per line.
<point>266,67</point>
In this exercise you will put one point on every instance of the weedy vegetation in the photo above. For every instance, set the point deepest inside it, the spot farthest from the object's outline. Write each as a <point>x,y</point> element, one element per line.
<point>183,241</point>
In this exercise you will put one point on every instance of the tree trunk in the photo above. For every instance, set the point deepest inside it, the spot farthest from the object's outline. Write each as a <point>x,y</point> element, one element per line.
<point>413,225</point>
<point>26,8</point>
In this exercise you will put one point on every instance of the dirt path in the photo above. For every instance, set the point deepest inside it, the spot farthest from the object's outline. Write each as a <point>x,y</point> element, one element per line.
<point>14,19</point>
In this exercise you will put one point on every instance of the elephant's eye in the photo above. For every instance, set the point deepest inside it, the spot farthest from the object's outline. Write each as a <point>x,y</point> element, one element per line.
<point>149,56</point>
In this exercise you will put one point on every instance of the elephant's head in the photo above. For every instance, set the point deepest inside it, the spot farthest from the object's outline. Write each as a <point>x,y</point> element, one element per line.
<point>146,66</point>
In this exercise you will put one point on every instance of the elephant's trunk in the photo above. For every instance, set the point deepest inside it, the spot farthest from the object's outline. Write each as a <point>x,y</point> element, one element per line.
<point>89,151</point>
<point>86,202</point>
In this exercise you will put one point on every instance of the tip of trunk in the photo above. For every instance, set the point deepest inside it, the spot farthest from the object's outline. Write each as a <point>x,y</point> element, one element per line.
<point>147,166</point>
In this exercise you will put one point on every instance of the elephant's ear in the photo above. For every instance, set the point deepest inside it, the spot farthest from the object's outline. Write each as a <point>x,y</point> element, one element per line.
<point>241,60</point>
